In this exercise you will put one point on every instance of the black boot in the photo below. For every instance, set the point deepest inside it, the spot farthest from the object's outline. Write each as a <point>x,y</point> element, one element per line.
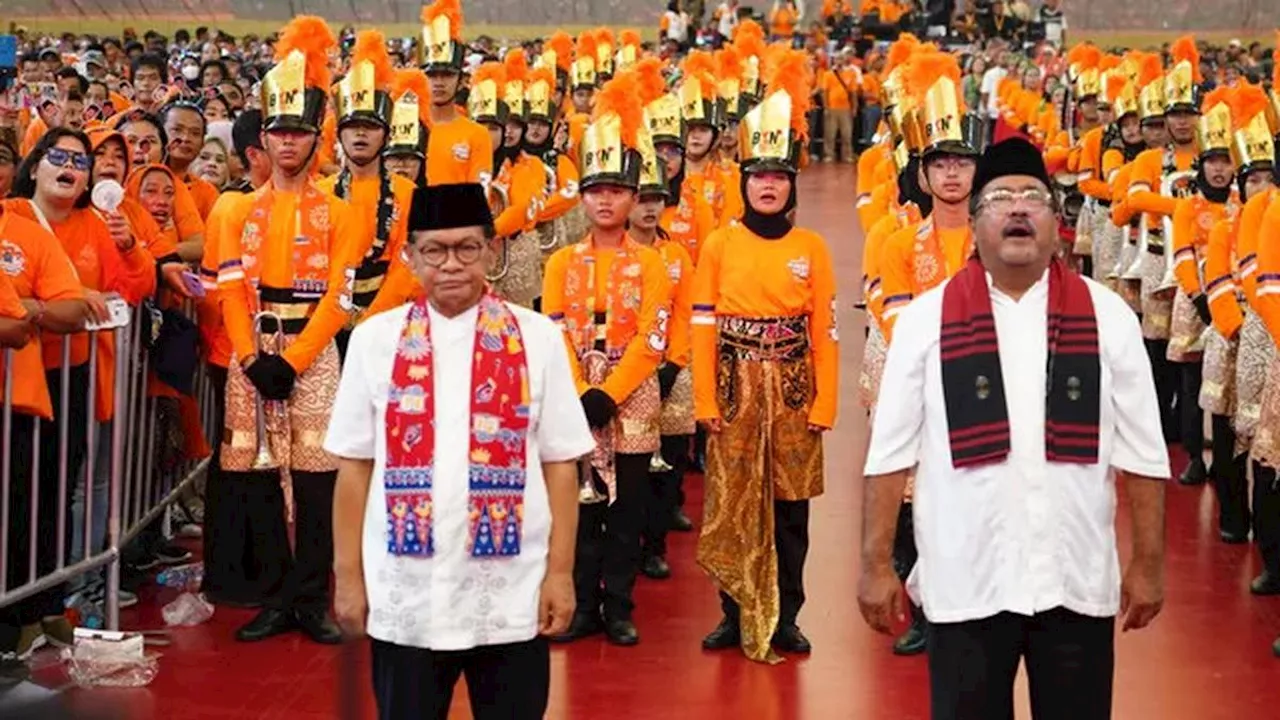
<point>317,625</point>
<point>655,568</point>
<point>1266,529</point>
<point>585,623</point>
<point>1233,501</point>
<point>681,522</point>
<point>726,635</point>
<point>912,642</point>
<point>788,638</point>
<point>1195,473</point>
<point>267,624</point>
<point>621,632</point>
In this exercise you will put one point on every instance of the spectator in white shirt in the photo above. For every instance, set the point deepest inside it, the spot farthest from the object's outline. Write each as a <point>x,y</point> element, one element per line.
<point>457,425</point>
<point>1017,437</point>
<point>727,20</point>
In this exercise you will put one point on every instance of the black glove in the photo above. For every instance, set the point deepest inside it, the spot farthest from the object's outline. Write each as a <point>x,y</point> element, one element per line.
<point>599,407</point>
<point>273,376</point>
<point>1201,302</point>
<point>667,373</point>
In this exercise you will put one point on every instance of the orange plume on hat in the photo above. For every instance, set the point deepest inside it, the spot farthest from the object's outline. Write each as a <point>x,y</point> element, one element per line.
<point>489,71</point>
<point>700,65</point>
<point>371,46</point>
<point>749,38</point>
<point>927,68</point>
<point>1184,48</point>
<point>629,37</point>
<point>586,47</point>
<point>621,96</point>
<point>900,51</point>
<point>729,63</point>
<point>541,74</point>
<point>1150,69</point>
<point>311,36</point>
<point>791,73</point>
<point>604,36</point>
<point>1116,85</point>
<point>1107,63</point>
<point>415,81</point>
<point>515,66</point>
<point>1220,94</point>
<point>1275,60</point>
<point>450,8</point>
<point>562,45</point>
<point>1085,55</point>
<point>650,83</point>
<point>1247,102</point>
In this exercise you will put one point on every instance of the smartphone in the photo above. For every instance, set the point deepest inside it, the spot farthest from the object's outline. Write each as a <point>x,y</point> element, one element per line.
<point>8,61</point>
<point>192,283</point>
<point>118,312</point>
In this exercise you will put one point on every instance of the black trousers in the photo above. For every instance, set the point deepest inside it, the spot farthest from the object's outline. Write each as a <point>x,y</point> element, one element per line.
<point>1070,663</point>
<point>1190,416</point>
<point>608,549</point>
<point>215,494</point>
<point>1266,517</point>
<point>791,541</point>
<point>1230,478</point>
<point>664,495</point>
<point>504,682</point>
<point>252,562</point>
<point>1167,386</point>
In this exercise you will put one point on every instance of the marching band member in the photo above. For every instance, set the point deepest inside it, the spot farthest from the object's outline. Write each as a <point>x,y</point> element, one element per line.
<point>1159,177</point>
<point>552,228</point>
<point>675,381</point>
<point>584,79</point>
<point>766,373</point>
<point>485,537</point>
<point>1148,125</point>
<point>459,150</point>
<point>1119,103</point>
<point>1193,218</point>
<point>377,196</point>
<point>290,250</point>
<point>1093,223</point>
<point>612,297</point>
<point>736,103</point>
<point>1219,393</point>
<point>698,91</point>
<point>406,151</point>
<point>1266,441</point>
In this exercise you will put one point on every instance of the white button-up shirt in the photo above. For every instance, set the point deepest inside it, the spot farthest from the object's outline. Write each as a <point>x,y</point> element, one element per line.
<point>452,601</point>
<point>1023,535</point>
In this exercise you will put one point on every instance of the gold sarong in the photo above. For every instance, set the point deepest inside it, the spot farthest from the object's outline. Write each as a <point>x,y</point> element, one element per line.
<point>523,281</point>
<point>677,409</point>
<point>763,452</point>
<point>1186,331</point>
<point>1107,243</point>
<point>1252,362</point>
<point>1218,384</point>
<point>873,354</point>
<point>1266,443</point>
<point>1157,307</point>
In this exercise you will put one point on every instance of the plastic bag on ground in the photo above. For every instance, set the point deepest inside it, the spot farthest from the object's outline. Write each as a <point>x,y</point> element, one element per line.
<point>109,659</point>
<point>187,609</point>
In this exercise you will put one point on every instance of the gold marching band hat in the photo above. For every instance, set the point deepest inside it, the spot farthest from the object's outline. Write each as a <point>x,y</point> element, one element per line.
<point>662,115</point>
<point>485,103</point>
<point>362,95</point>
<point>700,103</point>
<point>557,55</point>
<point>538,92</point>
<point>1119,93</point>
<point>605,45</point>
<point>748,41</point>
<point>729,86</point>
<point>515,72</point>
<point>1182,82</point>
<point>653,176</point>
<point>440,49</point>
<point>408,134</point>
<point>609,154</point>
<point>772,135</point>
<point>933,79</point>
<point>628,51</point>
<point>1214,127</point>
<point>584,62</point>
<point>1252,140</point>
<point>1151,104</point>
<point>295,91</point>
<point>1083,71</point>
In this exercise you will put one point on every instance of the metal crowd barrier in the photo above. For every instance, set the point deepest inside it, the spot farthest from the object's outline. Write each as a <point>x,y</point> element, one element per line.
<point>139,488</point>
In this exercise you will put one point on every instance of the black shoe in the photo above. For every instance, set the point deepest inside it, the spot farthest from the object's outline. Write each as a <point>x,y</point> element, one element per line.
<point>655,568</point>
<point>788,638</point>
<point>1233,537</point>
<point>681,522</point>
<point>1195,473</point>
<point>318,626</point>
<point>725,636</point>
<point>911,642</point>
<point>266,624</point>
<point>1265,584</point>
<point>584,624</point>
<point>622,632</point>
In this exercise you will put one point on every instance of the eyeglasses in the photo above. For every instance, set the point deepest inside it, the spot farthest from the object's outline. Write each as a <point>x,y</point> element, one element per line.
<point>58,158</point>
<point>437,255</point>
<point>1003,200</point>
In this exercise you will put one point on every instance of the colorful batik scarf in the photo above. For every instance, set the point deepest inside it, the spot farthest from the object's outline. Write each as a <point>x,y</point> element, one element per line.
<point>499,432</point>
<point>977,414</point>
<point>310,241</point>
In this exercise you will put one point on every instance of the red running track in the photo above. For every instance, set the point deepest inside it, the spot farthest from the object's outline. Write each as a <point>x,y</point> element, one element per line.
<point>1207,657</point>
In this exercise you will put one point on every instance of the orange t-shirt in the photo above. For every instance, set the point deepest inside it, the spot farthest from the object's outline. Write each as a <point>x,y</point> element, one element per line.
<point>743,275</point>
<point>690,221</point>
<point>1220,280</point>
<point>680,271</point>
<point>458,151</point>
<point>33,265</point>
<point>903,279</point>
<point>564,195</point>
<point>203,193</point>
<point>525,181</point>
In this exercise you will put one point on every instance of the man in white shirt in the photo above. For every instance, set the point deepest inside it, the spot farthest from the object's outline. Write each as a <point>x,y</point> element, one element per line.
<point>457,426</point>
<point>726,20</point>
<point>1002,59</point>
<point>1017,437</point>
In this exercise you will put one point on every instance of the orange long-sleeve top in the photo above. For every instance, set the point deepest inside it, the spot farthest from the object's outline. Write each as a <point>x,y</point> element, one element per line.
<point>276,259</point>
<point>1220,281</point>
<point>458,151</point>
<point>526,182</point>
<point>680,271</point>
<point>873,291</point>
<point>564,196</point>
<point>782,22</point>
<point>731,182</point>
<point>101,267</point>
<point>1267,302</point>
<point>213,333</point>
<point>882,201</point>
<point>1144,183</point>
<point>639,360</point>
<point>689,222</point>
<point>363,199</point>
<point>867,163</point>
<point>1193,218</point>
<point>944,250</point>
<point>839,88</point>
<point>1247,242</point>
<point>709,183</point>
<point>1122,211</point>
<point>743,275</point>
<point>35,267</point>
<point>1089,168</point>
<point>10,304</point>
<point>203,193</point>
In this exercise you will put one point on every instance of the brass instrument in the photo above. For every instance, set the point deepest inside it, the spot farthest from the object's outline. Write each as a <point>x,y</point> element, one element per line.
<point>499,200</point>
<point>264,459</point>
<point>595,367</point>
<point>1134,272</point>
<point>1167,185</point>
<point>549,240</point>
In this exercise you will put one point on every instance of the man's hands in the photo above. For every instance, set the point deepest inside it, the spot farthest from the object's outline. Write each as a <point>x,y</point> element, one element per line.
<point>880,598</point>
<point>1141,593</point>
<point>556,604</point>
<point>351,606</point>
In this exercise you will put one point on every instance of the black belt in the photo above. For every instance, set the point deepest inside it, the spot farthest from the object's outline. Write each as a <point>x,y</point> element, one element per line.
<point>269,325</point>
<point>1104,203</point>
<point>1156,249</point>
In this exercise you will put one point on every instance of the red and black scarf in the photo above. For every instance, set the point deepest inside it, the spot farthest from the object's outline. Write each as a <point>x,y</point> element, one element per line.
<point>977,414</point>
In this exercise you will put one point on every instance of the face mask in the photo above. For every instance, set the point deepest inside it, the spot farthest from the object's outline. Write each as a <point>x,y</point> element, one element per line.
<point>190,72</point>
